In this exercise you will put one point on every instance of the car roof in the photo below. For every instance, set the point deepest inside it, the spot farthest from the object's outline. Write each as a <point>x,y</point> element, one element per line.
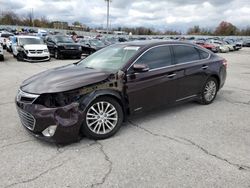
<point>27,36</point>
<point>149,43</point>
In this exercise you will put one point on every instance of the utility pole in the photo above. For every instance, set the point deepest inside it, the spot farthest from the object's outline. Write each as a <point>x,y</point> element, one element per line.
<point>108,3</point>
<point>32,17</point>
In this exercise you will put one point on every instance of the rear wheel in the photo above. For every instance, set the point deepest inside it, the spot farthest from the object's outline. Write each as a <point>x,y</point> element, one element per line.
<point>102,118</point>
<point>209,91</point>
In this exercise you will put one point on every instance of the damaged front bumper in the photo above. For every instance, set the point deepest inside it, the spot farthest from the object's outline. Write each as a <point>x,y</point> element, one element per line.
<point>60,125</point>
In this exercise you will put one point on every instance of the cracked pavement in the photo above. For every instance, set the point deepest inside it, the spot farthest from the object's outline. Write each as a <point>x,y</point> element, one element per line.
<point>189,145</point>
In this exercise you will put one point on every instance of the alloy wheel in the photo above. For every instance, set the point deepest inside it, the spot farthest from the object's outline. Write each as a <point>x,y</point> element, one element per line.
<point>102,117</point>
<point>210,91</point>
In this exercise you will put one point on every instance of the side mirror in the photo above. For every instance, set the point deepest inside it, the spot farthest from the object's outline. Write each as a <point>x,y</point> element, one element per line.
<point>140,68</point>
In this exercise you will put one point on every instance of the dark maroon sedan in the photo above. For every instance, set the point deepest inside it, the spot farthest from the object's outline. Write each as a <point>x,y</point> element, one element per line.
<point>94,96</point>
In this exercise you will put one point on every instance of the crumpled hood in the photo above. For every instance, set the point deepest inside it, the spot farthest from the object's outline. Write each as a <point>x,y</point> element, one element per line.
<point>63,79</point>
<point>35,47</point>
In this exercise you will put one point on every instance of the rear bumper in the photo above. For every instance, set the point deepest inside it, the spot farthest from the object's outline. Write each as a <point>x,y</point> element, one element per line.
<point>68,120</point>
<point>223,75</point>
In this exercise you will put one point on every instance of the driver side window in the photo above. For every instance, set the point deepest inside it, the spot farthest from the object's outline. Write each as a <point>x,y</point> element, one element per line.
<point>156,58</point>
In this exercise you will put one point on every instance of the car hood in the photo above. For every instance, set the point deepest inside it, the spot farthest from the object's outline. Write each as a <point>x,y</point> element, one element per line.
<point>63,79</point>
<point>67,44</point>
<point>35,47</point>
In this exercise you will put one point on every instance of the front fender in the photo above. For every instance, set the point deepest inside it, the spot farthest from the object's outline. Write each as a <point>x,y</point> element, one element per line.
<point>117,95</point>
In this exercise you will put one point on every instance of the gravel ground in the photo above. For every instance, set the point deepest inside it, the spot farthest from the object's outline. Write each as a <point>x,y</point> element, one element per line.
<point>189,145</point>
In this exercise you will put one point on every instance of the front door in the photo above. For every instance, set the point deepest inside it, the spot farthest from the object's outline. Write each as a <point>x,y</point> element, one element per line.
<point>157,86</point>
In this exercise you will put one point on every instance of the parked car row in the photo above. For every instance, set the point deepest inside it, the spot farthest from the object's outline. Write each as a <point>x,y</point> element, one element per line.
<point>217,45</point>
<point>34,47</point>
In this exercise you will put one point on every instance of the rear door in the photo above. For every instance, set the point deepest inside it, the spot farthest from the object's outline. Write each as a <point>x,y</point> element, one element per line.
<point>195,64</point>
<point>156,87</point>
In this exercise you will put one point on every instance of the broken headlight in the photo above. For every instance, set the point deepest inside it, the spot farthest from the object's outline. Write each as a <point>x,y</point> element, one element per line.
<point>53,100</point>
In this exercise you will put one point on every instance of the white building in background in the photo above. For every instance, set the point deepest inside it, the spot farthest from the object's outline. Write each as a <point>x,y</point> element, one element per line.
<point>120,33</point>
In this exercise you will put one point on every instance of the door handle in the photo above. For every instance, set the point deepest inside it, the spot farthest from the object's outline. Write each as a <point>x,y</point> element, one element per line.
<point>204,67</point>
<point>171,75</point>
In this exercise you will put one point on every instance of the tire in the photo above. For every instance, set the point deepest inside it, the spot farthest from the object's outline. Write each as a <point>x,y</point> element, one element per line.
<point>99,126</point>
<point>57,55</point>
<point>1,58</point>
<point>209,91</point>
<point>19,56</point>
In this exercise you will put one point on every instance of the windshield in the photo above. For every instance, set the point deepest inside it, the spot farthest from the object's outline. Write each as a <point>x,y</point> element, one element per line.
<point>111,58</point>
<point>24,41</point>
<point>63,39</point>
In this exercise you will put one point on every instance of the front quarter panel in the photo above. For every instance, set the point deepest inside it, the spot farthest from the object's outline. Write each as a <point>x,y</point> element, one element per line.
<point>113,87</point>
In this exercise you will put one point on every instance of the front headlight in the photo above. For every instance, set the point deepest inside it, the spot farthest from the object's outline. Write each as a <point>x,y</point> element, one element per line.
<point>20,49</point>
<point>58,99</point>
<point>46,50</point>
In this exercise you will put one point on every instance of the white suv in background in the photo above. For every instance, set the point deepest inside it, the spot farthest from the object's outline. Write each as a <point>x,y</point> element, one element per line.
<point>1,53</point>
<point>30,48</point>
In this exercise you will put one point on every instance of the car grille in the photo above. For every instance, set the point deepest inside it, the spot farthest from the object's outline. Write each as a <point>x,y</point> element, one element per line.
<point>35,51</point>
<point>27,119</point>
<point>71,47</point>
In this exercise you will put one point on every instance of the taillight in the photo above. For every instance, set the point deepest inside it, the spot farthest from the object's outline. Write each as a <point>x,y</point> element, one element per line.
<point>225,62</point>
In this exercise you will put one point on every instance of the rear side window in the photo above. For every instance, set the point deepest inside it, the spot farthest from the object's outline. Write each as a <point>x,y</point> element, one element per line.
<point>185,54</point>
<point>156,58</point>
<point>203,54</point>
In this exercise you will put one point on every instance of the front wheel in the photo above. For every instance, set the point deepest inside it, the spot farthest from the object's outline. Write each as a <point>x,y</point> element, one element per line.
<point>20,56</point>
<point>57,54</point>
<point>209,91</point>
<point>102,118</point>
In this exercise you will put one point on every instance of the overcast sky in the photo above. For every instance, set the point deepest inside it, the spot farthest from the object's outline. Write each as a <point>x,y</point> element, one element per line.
<point>159,14</point>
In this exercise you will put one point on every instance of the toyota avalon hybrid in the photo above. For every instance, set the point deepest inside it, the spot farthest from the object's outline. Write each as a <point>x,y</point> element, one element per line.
<point>94,96</point>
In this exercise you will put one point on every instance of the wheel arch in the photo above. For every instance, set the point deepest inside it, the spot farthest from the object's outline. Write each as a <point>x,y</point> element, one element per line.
<point>217,79</point>
<point>116,95</point>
